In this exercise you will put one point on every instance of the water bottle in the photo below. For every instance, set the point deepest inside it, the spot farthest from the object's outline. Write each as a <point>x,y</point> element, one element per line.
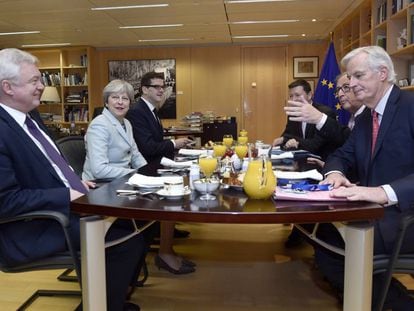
<point>194,174</point>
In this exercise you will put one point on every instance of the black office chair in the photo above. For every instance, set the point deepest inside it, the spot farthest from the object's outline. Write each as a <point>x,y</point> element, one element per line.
<point>395,262</point>
<point>64,260</point>
<point>74,151</point>
<point>382,263</point>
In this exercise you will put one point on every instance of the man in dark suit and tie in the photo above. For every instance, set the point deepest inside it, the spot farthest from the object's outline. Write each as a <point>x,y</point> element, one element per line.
<point>149,136</point>
<point>148,130</point>
<point>302,135</point>
<point>34,176</point>
<point>327,127</point>
<point>381,150</point>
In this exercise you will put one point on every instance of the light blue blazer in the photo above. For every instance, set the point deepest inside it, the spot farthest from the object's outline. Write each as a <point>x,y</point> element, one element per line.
<point>111,151</point>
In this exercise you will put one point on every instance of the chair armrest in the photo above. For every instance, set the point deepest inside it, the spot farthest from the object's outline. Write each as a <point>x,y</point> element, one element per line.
<point>46,214</point>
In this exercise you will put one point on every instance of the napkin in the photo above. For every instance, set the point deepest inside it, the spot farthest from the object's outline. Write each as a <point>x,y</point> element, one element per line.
<point>170,163</point>
<point>282,155</point>
<point>311,174</point>
<point>192,152</point>
<point>143,181</point>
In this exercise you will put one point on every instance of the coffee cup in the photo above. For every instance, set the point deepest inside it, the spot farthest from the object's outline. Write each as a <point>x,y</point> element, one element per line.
<point>174,187</point>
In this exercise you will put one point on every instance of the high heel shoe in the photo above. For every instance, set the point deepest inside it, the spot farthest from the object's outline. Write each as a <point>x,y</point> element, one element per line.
<point>187,262</point>
<point>161,264</point>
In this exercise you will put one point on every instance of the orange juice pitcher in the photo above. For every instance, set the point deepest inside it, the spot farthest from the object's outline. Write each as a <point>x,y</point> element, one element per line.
<point>259,181</point>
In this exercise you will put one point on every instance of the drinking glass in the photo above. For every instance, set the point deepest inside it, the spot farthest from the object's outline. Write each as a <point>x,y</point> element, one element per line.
<point>228,140</point>
<point>219,149</point>
<point>241,150</point>
<point>243,140</point>
<point>208,165</point>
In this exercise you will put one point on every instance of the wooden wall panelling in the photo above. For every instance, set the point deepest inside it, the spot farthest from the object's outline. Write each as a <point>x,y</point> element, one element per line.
<point>215,80</point>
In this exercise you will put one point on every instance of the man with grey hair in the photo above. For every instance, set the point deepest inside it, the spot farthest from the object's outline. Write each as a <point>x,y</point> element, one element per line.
<point>381,150</point>
<point>35,177</point>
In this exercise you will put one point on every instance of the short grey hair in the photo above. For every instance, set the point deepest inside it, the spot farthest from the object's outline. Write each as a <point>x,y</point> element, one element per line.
<point>377,58</point>
<point>118,86</point>
<point>10,63</point>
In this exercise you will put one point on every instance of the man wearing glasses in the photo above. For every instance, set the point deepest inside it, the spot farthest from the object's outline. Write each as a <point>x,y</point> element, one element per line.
<point>147,127</point>
<point>328,127</point>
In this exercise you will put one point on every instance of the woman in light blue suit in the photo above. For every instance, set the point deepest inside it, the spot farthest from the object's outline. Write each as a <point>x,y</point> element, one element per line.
<point>111,151</point>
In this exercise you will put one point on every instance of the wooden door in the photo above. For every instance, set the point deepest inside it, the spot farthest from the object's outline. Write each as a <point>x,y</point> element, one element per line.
<point>265,92</point>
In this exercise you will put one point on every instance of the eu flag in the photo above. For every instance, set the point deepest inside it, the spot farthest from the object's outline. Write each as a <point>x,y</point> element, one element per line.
<point>325,90</point>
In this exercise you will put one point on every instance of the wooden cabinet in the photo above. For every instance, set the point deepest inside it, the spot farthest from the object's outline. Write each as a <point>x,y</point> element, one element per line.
<point>67,69</point>
<point>387,23</point>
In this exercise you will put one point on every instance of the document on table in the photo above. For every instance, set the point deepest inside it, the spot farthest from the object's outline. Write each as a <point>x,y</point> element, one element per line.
<point>292,195</point>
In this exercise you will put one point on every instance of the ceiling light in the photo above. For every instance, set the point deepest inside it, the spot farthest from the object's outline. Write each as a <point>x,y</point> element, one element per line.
<point>263,36</point>
<point>314,20</point>
<point>254,1</point>
<point>154,40</point>
<point>18,33</point>
<point>142,6</point>
<point>151,26</point>
<point>46,44</point>
<point>303,35</point>
<point>266,22</point>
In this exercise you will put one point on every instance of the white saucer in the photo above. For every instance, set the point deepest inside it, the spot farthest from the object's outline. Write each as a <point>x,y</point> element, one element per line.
<point>169,196</point>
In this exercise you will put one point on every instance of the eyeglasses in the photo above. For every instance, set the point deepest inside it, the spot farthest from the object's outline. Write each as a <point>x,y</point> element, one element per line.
<point>157,87</point>
<point>117,98</point>
<point>345,88</point>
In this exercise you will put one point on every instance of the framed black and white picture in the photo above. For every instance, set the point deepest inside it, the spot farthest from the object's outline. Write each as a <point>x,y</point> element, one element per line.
<point>132,71</point>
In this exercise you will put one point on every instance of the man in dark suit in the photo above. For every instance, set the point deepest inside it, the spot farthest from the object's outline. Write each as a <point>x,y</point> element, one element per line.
<point>302,135</point>
<point>328,127</point>
<point>149,136</point>
<point>30,180</point>
<point>381,149</point>
<point>147,127</point>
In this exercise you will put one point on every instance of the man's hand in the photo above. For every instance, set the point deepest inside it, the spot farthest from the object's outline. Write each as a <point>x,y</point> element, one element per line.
<point>302,111</point>
<point>358,193</point>
<point>278,141</point>
<point>291,144</point>
<point>336,180</point>
<point>181,142</point>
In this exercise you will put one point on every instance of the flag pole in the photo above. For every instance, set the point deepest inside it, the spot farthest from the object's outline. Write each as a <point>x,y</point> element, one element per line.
<point>331,36</point>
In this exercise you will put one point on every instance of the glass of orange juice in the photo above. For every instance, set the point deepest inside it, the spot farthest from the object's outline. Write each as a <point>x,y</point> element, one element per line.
<point>208,165</point>
<point>243,132</point>
<point>219,149</point>
<point>228,140</point>
<point>243,140</point>
<point>241,150</point>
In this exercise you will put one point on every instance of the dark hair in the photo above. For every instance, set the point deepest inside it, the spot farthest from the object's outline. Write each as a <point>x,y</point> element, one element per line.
<point>303,83</point>
<point>146,78</point>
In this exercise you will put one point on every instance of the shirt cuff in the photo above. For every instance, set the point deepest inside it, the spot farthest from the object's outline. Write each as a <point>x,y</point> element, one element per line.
<point>392,197</point>
<point>172,140</point>
<point>321,123</point>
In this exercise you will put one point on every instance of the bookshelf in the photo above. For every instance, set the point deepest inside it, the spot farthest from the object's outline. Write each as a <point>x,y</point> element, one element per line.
<point>388,23</point>
<point>67,69</point>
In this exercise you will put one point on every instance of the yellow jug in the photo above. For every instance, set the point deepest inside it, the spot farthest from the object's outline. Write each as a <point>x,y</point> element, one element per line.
<point>259,181</point>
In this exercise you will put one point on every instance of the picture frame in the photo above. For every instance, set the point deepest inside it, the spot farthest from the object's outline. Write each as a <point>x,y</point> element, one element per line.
<point>305,67</point>
<point>312,85</point>
<point>132,72</point>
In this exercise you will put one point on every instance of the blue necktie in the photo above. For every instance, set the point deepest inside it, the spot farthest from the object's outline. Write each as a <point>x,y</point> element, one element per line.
<point>73,179</point>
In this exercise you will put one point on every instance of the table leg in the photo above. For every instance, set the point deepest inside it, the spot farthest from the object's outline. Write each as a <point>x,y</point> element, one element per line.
<point>92,231</point>
<point>358,266</point>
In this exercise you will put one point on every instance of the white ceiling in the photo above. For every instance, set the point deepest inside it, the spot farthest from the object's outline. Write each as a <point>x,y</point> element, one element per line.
<point>204,21</point>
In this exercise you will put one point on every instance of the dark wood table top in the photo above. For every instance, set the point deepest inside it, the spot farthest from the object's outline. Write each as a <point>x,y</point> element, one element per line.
<point>231,206</point>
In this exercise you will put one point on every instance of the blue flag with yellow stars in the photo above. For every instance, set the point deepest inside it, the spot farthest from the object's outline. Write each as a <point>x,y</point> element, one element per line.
<point>325,90</point>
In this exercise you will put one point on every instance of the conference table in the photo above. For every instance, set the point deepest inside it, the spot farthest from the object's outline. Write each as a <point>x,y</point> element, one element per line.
<point>231,206</point>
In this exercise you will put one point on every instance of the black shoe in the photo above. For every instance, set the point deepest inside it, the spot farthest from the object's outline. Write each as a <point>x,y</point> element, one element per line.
<point>187,262</point>
<point>161,264</point>
<point>181,233</point>
<point>129,306</point>
<point>294,239</point>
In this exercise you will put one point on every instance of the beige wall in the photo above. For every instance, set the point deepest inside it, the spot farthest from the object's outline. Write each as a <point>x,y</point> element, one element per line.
<point>208,78</point>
